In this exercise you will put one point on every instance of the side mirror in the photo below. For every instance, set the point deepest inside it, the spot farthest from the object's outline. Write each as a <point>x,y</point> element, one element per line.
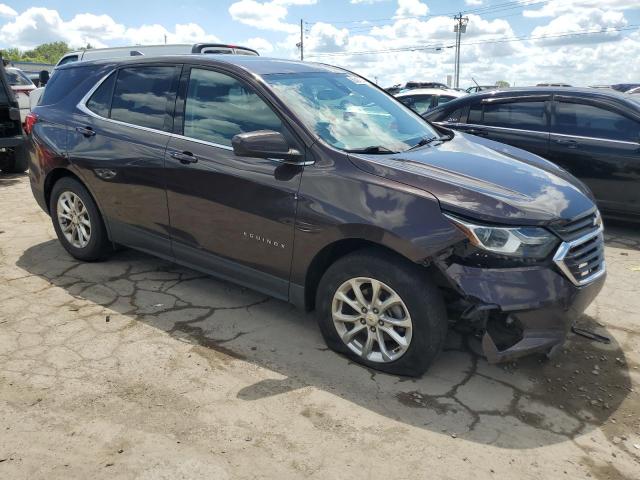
<point>265,144</point>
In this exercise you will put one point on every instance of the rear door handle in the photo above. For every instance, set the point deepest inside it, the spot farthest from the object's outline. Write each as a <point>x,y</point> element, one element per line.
<point>567,143</point>
<point>86,131</point>
<point>184,157</point>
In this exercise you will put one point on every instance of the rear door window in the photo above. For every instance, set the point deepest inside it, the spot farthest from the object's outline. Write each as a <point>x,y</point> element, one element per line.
<point>218,107</point>
<point>143,96</point>
<point>100,101</point>
<point>518,114</point>
<point>418,103</point>
<point>590,121</point>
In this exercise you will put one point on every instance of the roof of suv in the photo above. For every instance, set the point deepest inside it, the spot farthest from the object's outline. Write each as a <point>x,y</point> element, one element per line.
<point>253,64</point>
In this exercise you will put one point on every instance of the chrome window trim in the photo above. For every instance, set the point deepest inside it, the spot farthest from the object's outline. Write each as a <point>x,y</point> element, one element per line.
<point>564,248</point>
<point>475,125</point>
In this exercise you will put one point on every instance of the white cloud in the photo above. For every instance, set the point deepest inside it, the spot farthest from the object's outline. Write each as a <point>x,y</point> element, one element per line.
<point>38,25</point>
<point>557,7</point>
<point>7,11</point>
<point>260,44</point>
<point>411,8</point>
<point>473,3</point>
<point>266,15</point>
<point>590,20</point>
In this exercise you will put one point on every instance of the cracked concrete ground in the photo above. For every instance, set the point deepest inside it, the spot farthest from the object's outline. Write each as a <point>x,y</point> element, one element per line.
<point>138,368</point>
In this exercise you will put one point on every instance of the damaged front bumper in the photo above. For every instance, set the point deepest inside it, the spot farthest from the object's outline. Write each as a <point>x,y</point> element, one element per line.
<point>539,303</point>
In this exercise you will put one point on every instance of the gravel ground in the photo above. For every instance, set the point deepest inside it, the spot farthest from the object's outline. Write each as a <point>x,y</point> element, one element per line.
<point>138,368</point>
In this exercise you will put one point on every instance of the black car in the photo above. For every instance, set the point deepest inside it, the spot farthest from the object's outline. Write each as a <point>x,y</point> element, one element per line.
<point>12,157</point>
<point>313,185</point>
<point>592,133</point>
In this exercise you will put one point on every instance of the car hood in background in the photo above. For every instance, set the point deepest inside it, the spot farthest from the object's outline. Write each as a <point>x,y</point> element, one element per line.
<point>486,180</point>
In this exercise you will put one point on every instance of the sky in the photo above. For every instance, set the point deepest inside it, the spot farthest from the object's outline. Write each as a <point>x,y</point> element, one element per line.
<point>523,42</point>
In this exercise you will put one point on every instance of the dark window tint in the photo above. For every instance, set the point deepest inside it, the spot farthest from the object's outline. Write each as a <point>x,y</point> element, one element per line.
<point>590,121</point>
<point>100,101</point>
<point>418,103</point>
<point>63,82</point>
<point>219,107</point>
<point>444,99</point>
<point>456,116</point>
<point>142,94</point>
<point>522,115</point>
<point>69,59</point>
<point>475,113</point>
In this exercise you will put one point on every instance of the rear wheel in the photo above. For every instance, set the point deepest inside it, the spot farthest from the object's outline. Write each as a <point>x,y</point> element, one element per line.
<point>77,221</point>
<point>382,311</point>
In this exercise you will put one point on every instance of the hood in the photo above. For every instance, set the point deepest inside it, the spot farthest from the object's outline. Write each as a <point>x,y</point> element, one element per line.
<point>486,180</point>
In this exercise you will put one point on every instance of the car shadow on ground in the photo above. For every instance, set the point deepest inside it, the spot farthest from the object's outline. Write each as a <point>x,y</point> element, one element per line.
<point>527,404</point>
<point>9,179</point>
<point>621,234</point>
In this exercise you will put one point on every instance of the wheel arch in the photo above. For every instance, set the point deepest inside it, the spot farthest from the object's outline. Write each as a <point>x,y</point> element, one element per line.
<point>332,252</point>
<point>61,172</point>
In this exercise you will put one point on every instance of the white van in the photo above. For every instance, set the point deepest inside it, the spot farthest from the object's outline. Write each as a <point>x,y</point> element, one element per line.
<point>153,50</point>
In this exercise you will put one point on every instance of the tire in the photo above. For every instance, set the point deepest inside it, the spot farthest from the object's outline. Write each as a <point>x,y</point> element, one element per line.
<point>97,245</point>
<point>16,161</point>
<point>419,298</point>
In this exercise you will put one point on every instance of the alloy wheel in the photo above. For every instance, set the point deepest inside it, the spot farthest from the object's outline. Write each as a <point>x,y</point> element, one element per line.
<point>74,220</point>
<point>371,319</point>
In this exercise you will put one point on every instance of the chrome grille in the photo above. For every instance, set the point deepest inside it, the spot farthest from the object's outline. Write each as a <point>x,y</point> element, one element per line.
<point>581,256</point>
<point>578,227</point>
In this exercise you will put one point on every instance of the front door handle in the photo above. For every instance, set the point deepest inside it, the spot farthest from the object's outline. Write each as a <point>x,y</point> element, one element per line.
<point>184,157</point>
<point>86,131</point>
<point>567,143</point>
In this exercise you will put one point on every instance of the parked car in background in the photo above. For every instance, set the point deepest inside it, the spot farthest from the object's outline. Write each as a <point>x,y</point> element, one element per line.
<point>480,88</point>
<point>22,87</point>
<point>154,50</point>
<point>592,133</point>
<point>422,100</point>
<point>412,85</point>
<point>625,87</point>
<point>254,170</point>
<point>12,151</point>
<point>553,85</point>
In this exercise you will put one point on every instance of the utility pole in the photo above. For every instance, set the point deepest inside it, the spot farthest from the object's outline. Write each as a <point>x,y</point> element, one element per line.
<point>460,28</point>
<point>301,44</point>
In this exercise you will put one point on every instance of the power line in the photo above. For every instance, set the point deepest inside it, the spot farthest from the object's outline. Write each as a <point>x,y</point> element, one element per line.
<point>479,10</point>
<point>441,46</point>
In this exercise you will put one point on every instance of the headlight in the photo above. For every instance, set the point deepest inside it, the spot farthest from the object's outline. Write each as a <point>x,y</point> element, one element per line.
<point>524,242</point>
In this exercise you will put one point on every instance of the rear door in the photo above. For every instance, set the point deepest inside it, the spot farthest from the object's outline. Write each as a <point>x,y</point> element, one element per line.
<point>118,141</point>
<point>600,144</point>
<point>230,215</point>
<point>521,121</point>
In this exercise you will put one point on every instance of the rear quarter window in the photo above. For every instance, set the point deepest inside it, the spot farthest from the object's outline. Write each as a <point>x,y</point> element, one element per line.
<point>63,82</point>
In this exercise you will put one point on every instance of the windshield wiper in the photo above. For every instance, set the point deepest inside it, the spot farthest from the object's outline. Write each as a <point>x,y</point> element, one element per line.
<point>423,142</point>
<point>371,149</point>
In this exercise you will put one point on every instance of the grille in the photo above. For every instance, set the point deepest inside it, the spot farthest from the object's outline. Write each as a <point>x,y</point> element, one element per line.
<point>579,227</point>
<point>581,255</point>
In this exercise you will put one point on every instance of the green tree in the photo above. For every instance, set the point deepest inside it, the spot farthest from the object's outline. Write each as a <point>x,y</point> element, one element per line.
<point>45,53</point>
<point>502,84</point>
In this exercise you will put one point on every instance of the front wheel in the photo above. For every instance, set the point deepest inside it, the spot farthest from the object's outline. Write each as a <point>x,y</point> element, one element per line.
<point>382,311</point>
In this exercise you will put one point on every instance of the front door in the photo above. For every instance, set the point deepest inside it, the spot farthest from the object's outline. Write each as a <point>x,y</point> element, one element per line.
<point>230,215</point>
<point>601,146</point>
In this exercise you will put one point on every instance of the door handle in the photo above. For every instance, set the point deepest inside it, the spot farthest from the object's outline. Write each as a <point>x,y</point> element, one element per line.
<point>477,131</point>
<point>567,143</point>
<point>184,157</point>
<point>86,131</point>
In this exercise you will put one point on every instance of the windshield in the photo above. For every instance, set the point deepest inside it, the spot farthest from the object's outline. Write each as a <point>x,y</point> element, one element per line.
<point>17,78</point>
<point>349,113</point>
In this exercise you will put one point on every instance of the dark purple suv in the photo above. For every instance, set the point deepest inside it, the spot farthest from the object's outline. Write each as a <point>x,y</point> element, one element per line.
<point>311,184</point>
